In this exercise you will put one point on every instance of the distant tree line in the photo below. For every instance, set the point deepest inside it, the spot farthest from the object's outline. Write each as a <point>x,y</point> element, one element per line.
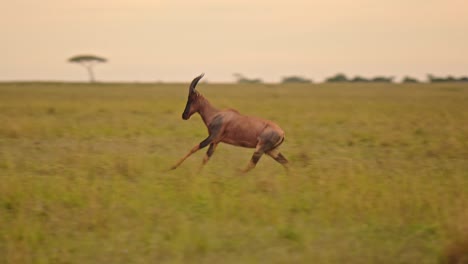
<point>342,78</point>
<point>295,79</point>
<point>434,79</point>
<point>242,79</point>
<point>89,61</point>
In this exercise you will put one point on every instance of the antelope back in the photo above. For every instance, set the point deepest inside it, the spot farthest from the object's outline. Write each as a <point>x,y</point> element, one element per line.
<point>192,105</point>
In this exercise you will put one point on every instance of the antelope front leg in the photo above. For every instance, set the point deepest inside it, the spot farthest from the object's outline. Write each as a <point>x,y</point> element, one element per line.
<point>208,155</point>
<point>193,150</point>
<point>203,144</point>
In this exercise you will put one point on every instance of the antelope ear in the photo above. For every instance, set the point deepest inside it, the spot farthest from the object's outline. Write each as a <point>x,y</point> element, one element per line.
<point>194,83</point>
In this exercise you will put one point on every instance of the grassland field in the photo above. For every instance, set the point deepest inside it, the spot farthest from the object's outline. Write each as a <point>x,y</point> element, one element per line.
<point>379,174</point>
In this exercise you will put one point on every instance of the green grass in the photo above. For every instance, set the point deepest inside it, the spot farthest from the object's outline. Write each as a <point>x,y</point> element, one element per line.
<point>379,174</point>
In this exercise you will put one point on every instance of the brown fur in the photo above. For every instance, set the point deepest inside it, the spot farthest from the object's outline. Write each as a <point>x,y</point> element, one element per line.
<point>231,127</point>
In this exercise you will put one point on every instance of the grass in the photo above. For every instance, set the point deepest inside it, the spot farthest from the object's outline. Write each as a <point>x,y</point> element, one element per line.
<point>379,175</point>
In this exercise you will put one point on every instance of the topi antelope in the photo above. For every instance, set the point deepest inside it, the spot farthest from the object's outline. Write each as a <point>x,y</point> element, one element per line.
<point>231,127</point>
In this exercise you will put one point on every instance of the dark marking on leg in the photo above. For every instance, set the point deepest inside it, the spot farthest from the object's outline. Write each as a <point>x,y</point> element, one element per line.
<point>281,159</point>
<point>205,142</point>
<point>278,157</point>
<point>256,157</point>
<point>209,153</point>
<point>202,144</point>
<point>214,129</point>
<point>211,150</point>
<point>254,160</point>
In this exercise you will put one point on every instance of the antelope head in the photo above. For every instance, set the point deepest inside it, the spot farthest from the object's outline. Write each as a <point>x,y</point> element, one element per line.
<point>193,102</point>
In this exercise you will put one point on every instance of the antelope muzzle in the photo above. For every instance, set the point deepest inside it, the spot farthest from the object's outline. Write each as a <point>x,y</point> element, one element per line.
<point>186,113</point>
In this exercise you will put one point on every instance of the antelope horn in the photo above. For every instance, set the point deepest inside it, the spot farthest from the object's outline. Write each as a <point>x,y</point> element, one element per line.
<point>195,81</point>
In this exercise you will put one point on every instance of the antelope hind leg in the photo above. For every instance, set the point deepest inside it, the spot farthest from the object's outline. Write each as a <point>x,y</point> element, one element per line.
<point>253,162</point>
<point>276,155</point>
<point>269,142</point>
<point>255,158</point>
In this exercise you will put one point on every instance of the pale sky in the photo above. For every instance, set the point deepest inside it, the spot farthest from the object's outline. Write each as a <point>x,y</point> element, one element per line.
<point>150,40</point>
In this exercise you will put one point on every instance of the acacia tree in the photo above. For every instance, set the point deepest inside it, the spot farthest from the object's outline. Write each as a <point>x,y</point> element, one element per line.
<point>87,61</point>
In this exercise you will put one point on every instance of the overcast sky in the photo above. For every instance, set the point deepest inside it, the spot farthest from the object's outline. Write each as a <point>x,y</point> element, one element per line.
<point>150,40</point>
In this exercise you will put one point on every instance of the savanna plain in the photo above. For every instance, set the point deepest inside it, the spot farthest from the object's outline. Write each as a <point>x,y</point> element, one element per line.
<point>379,174</point>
